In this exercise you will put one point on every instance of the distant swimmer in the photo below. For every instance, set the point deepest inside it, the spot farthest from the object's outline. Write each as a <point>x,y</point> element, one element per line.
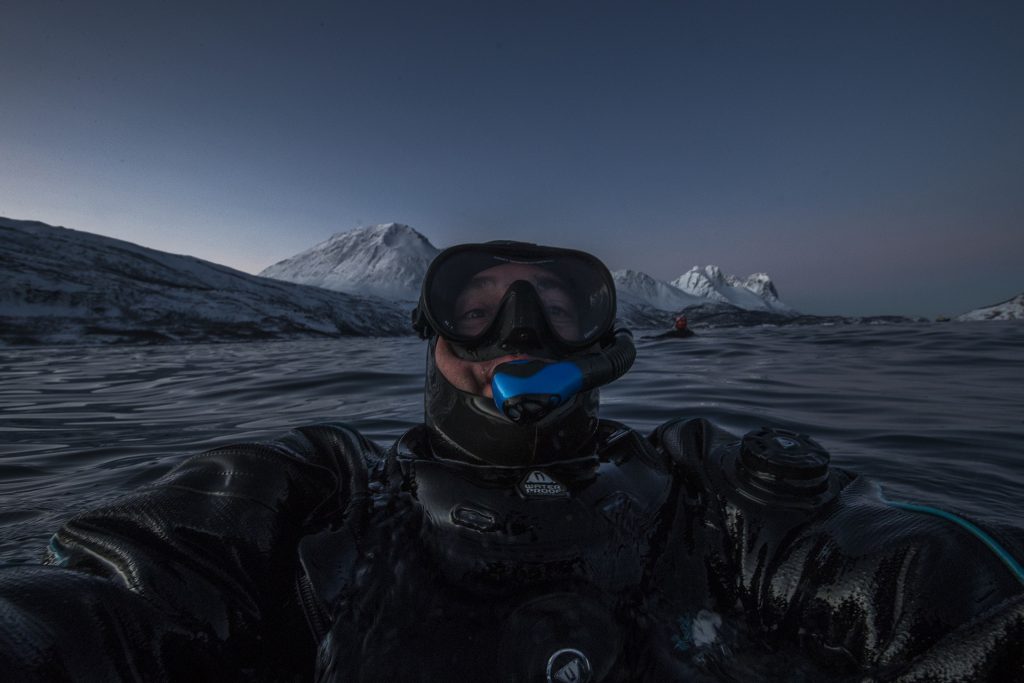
<point>680,329</point>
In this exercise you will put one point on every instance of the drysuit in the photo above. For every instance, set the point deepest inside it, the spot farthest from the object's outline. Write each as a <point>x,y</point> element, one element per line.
<point>686,555</point>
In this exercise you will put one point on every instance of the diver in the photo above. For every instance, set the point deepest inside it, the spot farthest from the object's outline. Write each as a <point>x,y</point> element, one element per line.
<point>680,329</point>
<point>517,536</point>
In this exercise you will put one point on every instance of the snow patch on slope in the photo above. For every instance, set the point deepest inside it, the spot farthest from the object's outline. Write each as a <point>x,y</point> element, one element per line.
<point>636,288</point>
<point>1011,309</point>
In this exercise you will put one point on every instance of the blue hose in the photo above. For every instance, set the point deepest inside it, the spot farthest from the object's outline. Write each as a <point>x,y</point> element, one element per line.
<point>981,535</point>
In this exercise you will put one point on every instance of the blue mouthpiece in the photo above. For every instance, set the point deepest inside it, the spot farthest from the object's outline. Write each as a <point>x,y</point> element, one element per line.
<point>527,390</point>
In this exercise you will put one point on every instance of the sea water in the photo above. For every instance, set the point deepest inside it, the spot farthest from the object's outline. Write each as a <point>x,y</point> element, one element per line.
<point>933,411</point>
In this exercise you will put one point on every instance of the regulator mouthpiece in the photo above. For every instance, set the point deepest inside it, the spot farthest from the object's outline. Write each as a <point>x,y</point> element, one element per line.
<point>525,391</point>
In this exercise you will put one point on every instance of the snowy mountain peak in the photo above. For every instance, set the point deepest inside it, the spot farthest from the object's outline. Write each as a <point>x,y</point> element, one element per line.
<point>762,285</point>
<point>756,292</point>
<point>633,277</point>
<point>387,260</point>
<point>390,235</point>
<point>702,282</point>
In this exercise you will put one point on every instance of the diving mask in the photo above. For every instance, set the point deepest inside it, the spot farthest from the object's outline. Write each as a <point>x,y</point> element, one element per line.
<point>500,298</point>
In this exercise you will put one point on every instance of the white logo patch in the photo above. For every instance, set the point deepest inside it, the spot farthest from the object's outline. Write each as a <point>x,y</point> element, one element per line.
<point>539,484</point>
<point>569,666</point>
<point>786,442</point>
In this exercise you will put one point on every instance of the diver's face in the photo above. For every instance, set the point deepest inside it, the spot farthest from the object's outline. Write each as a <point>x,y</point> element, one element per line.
<point>477,304</point>
<point>475,309</point>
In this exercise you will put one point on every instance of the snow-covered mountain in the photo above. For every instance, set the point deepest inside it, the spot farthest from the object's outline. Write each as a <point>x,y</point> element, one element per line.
<point>1011,309</point>
<point>755,293</point>
<point>387,260</point>
<point>647,302</point>
<point>635,288</point>
<point>66,286</point>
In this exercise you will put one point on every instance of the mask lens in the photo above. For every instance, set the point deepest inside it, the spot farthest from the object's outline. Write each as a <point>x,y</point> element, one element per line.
<point>467,287</point>
<point>562,311</point>
<point>477,305</point>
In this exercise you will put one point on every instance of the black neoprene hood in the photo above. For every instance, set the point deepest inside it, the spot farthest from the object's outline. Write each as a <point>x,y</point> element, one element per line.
<point>470,426</point>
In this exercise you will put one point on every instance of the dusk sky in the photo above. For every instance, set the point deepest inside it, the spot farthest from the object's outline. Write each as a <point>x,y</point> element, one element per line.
<point>868,156</point>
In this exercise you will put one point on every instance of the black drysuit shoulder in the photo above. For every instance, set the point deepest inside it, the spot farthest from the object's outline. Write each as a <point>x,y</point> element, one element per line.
<point>192,577</point>
<point>863,585</point>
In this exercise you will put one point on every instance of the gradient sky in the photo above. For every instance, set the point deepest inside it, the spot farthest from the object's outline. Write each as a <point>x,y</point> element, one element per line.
<point>869,156</point>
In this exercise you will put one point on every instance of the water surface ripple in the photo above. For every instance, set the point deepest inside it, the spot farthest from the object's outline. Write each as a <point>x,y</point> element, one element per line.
<point>936,412</point>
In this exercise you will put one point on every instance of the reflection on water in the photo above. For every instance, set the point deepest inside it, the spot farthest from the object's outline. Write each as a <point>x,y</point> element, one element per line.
<point>934,411</point>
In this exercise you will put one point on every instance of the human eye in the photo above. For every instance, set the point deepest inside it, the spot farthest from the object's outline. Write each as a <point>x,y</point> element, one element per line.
<point>556,311</point>
<point>472,320</point>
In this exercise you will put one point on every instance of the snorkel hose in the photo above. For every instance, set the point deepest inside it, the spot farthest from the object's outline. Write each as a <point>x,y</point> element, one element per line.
<point>527,390</point>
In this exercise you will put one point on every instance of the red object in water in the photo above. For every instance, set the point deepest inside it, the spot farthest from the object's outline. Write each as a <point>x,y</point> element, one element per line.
<point>681,322</point>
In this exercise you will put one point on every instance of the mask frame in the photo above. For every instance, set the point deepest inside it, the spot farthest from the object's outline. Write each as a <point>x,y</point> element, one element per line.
<point>521,322</point>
